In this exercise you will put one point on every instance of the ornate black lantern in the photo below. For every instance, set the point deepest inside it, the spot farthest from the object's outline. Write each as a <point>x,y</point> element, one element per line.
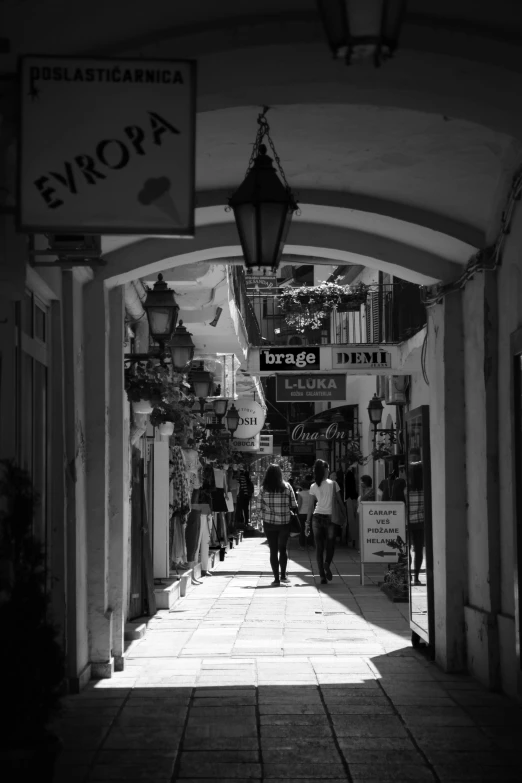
<point>220,408</point>
<point>375,409</point>
<point>162,311</point>
<point>358,29</point>
<point>181,347</point>
<point>202,381</point>
<point>232,419</point>
<point>263,206</point>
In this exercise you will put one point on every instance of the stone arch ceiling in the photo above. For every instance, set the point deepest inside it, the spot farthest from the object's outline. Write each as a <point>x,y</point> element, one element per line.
<point>424,147</point>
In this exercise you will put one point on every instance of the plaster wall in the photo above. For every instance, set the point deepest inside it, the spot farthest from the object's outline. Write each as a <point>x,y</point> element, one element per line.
<point>509,279</point>
<point>419,391</point>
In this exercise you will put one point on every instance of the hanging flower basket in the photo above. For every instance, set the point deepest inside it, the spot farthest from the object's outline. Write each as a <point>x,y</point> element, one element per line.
<point>309,306</point>
<point>166,428</point>
<point>141,406</point>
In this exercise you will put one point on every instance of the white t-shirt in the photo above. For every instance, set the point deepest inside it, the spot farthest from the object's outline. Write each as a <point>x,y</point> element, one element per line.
<point>306,500</point>
<point>324,495</point>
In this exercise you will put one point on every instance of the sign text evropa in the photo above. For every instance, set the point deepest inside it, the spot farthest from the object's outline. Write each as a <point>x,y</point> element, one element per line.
<point>107,146</point>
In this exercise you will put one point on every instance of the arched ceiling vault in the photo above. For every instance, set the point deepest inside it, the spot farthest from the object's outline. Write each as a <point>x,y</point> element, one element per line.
<point>405,167</point>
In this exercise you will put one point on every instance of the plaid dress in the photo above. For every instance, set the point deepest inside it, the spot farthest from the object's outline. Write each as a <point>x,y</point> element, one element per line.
<point>275,506</point>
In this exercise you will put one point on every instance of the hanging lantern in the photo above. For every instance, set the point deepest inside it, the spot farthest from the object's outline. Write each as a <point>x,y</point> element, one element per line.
<point>162,311</point>
<point>181,347</point>
<point>263,206</point>
<point>358,29</point>
<point>375,409</point>
<point>220,408</point>
<point>232,419</point>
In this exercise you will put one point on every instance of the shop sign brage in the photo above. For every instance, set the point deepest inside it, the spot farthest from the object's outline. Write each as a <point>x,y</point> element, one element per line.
<point>296,388</point>
<point>289,358</point>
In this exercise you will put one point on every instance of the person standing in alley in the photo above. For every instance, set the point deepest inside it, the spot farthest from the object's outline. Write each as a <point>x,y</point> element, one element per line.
<point>326,501</point>
<point>277,500</point>
<point>304,502</point>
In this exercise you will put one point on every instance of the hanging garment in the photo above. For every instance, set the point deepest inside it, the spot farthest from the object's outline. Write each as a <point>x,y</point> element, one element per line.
<point>178,552</point>
<point>206,527</point>
<point>192,467</point>
<point>179,483</point>
<point>219,478</point>
<point>192,533</point>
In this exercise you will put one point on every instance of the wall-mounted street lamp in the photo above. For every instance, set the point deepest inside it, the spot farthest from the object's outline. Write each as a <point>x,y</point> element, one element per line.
<point>162,311</point>
<point>220,408</point>
<point>202,381</point>
<point>162,315</point>
<point>359,29</point>
<point>181,347</point>
<point>263,206</point>
<point>232,419</point>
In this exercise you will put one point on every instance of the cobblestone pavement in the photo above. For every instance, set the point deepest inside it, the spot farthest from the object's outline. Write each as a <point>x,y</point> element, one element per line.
<point>246,682</point>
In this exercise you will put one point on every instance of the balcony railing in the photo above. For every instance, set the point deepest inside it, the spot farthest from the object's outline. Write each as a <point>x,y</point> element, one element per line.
<point>392,313</point>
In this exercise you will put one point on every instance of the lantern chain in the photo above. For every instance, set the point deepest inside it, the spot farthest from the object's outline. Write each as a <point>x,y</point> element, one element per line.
<point>262,131</point>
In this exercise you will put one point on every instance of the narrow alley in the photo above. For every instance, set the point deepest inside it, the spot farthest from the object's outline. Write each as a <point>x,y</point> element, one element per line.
<point>246,682</point>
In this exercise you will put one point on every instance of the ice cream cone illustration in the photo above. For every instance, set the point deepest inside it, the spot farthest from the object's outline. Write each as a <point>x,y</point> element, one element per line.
<point>155,192</point>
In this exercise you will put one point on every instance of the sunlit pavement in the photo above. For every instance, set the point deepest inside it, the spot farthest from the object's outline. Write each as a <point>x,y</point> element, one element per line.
<point>247,682</point>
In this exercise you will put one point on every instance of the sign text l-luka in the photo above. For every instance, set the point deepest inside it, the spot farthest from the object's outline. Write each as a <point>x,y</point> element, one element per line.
<point>109,155</point>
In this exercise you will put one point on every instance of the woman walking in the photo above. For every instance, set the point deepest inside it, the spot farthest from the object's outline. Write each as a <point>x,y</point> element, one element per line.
<point>325,493</point>
<point>277,500</point>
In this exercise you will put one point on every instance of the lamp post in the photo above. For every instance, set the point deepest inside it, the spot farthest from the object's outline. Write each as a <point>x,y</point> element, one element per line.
<point>358,29</point>
<point>232,419</point>
<point>202,383</point>
<point>263,206</point>
<point>181,347</point>
<point>375,409</point>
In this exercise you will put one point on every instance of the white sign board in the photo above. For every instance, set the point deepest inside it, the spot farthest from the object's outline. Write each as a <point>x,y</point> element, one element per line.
<point>107,146</point>
<point>380,522</point>
<point>356,357</point>
<point>251,419</point>
<point>266,444</point>
<point>246,444</point>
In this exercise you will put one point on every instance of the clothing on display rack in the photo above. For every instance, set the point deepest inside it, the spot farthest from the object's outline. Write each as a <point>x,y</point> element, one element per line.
<point>179,498</point>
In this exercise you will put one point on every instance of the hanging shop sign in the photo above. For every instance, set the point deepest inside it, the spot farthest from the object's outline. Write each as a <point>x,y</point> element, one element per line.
<point>381,522</point>
<point>107,146</point>
<point>261,281</point>
<point>295,388</point>
<point>302,433</point>
<point>251,419</point>
<point>266,444</point>
<point>289,358</point>
<point>360,357</point>
<point>246,444</point>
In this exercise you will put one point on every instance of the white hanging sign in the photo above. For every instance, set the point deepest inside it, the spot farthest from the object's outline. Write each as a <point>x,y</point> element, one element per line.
<point>246,444</point>
<point>107,146</point>
<point>251,418</point>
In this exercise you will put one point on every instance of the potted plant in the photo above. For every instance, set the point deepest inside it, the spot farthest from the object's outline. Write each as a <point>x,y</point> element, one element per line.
<point>145,384</point>
<point>31,657</point>
<point>309,306</point>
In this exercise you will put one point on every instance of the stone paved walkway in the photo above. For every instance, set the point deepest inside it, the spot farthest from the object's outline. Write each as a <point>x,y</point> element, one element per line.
<point>245,682</point>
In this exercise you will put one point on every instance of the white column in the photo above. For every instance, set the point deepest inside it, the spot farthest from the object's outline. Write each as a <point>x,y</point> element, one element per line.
<point>445,365</point>
<point>118,479</point>
<point>97,401</point>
